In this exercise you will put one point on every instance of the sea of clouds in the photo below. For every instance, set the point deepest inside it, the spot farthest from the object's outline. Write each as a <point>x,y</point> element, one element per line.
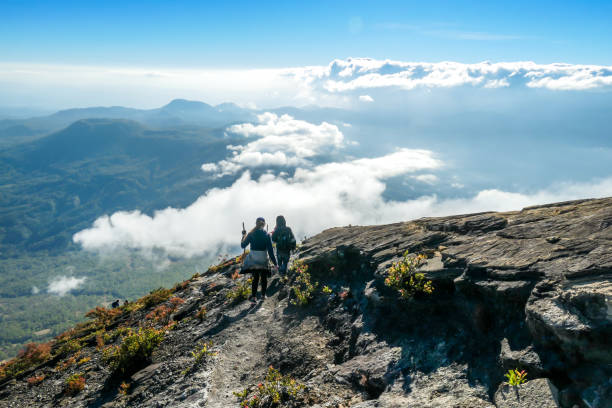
<point>311,190</point>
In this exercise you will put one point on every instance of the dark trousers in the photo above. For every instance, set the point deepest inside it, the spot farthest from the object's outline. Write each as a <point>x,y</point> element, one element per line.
<point>282,258</point>
<point>257,274</point>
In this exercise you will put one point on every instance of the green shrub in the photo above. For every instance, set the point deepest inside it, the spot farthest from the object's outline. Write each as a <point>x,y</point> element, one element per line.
<point>515,377</point>
<point>70,347</point>
<point>275,389</point>
<point>303,288</point>
<point>403,277</point>
<point>241,291</point>
<point>136,348</point>
<point>109,337</point>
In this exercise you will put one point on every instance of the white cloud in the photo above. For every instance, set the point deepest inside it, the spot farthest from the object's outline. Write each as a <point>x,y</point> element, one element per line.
<point>426,178</point>
<point>366,98</point>
<point>35,290</point>
<point>69,85</point>
<point>326,195</point>
<point>63,284</point>
<point>355,74</point>
<point>313,199</point>
<point>210,167</point>
<point>280,141</point>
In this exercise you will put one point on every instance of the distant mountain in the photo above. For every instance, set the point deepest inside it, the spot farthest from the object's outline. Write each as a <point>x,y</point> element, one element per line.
<point>58,184</point>
<point>179,112</point>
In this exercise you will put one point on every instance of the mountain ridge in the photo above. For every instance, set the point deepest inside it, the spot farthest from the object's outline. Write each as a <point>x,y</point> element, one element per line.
<point>527,289</point>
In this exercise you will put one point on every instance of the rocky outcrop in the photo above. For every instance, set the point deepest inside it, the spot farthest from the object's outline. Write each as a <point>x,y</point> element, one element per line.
<point>528,290</point>
<point>532,288</point>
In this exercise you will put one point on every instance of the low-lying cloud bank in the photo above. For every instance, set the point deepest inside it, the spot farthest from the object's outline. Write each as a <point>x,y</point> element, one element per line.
<point>340,83</point>
<point>312,199</point>
<point>61,285</point>
<point>311,196</point>
<point>324,196</point>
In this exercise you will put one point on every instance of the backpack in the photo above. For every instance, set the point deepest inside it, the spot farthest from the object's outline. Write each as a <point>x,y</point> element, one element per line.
<point>285,241</point>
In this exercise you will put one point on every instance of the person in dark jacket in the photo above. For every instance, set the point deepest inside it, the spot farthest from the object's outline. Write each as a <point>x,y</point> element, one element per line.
<point>256,261</point>
<point>285,243</point>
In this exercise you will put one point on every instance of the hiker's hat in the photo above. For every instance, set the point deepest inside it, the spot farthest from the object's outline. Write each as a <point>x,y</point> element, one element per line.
<point>260,219</point>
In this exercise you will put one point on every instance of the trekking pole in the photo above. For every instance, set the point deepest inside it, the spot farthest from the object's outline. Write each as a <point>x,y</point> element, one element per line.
<point>243,234</point>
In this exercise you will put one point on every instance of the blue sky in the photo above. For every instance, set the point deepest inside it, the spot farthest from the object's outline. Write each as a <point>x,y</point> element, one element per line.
<point>279,34</point>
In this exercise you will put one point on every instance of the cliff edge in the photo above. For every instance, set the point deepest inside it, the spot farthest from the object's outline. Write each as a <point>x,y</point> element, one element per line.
<point>528,290</point>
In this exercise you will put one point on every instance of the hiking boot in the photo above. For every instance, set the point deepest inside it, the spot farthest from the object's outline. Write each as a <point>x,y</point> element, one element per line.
<point>252,298</point>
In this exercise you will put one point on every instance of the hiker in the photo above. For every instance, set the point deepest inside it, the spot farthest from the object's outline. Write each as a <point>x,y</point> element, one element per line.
<point>285,243</point>
<point>256,261</point>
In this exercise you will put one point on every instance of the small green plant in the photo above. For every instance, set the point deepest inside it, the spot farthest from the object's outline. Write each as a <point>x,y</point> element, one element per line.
<point>403,276</point>
<point>241,291</point>
<point>303,288</point>
<point>242,395</point>
<point>515,377</point>
<point>203,351</point>
<point>136,347</point>
<point>75,384</point>
<point>275,389</point>
<point>327,290</point>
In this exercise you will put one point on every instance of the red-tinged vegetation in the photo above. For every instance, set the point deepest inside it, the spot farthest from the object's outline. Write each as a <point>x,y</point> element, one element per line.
<point>176,302</point>
<point>103,315</point>
<point>35,352</point>
<point>161,314</point>
<point>35,380</point>
<point>75,384</point>
<point>156,297</point>
<point>201,313</point>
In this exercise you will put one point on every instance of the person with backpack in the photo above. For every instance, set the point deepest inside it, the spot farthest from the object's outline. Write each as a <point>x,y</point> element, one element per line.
<point>285,243</point>
<point>256,261</point>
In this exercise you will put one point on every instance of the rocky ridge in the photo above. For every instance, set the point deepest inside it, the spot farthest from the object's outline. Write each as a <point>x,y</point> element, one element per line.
<point>529,289</point>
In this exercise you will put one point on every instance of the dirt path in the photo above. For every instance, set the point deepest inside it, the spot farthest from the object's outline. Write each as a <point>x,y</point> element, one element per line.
<point>240,359</point>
